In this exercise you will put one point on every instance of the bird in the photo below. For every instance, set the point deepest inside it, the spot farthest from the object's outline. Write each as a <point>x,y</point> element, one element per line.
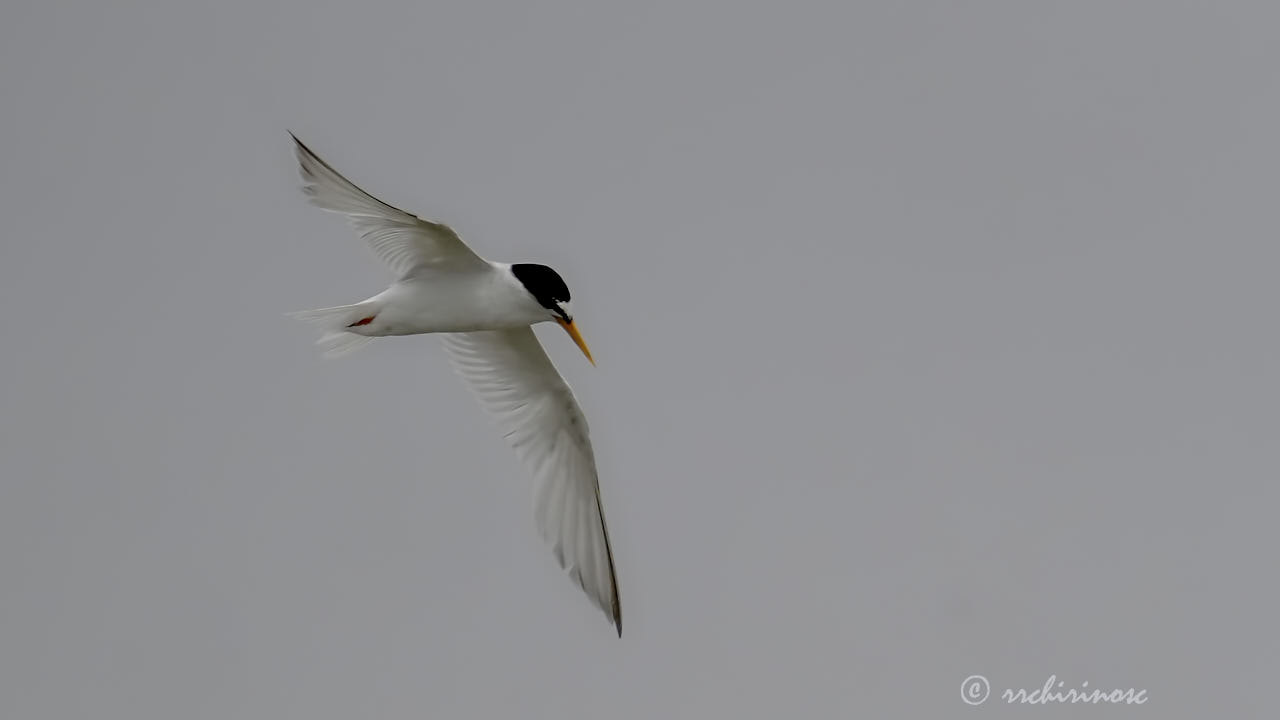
<point>484,312</point>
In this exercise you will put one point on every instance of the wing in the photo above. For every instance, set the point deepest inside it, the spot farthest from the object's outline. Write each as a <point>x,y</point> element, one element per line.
<point>515,382</point>
<point>403,241</point>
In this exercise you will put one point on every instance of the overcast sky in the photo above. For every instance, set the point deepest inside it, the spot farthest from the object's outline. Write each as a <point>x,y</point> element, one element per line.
<point>934,339</point>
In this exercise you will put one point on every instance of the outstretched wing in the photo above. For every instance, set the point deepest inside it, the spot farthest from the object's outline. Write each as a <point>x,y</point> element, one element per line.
<point>515,382</point>
<point>403,241</point>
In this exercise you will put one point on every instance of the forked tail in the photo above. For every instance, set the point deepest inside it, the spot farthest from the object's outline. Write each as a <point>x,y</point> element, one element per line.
<point>335,322</point>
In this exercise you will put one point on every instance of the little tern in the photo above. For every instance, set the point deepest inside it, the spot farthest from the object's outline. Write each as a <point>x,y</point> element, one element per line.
<point>484,312</point>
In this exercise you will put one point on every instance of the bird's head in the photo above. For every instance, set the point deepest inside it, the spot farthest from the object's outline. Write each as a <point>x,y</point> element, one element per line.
<point>548,289</point>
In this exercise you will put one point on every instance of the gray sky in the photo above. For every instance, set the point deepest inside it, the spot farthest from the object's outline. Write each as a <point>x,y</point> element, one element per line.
<point>935,339</point>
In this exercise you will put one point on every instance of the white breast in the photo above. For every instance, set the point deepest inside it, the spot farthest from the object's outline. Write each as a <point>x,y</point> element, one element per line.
<point>455,302</point>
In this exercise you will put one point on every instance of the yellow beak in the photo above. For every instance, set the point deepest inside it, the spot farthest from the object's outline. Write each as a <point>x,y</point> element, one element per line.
<point>572,329</point>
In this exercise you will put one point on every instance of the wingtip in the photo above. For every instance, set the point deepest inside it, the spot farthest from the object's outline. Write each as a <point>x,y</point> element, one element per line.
<point>303,151</point>
<point>299,145</point>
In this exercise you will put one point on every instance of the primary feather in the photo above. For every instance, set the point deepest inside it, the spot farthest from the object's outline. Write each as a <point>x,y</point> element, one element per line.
<point>403,241</point>
<point>516,383</point>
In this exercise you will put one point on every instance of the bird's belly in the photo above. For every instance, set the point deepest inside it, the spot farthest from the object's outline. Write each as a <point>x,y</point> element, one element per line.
<point>418,310</point>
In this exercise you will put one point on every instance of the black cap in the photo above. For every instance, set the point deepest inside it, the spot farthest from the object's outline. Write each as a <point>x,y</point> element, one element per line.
<point>544,284</point>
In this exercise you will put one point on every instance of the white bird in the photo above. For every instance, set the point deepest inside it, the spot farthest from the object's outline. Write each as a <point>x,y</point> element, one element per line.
<point>484,312</point>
